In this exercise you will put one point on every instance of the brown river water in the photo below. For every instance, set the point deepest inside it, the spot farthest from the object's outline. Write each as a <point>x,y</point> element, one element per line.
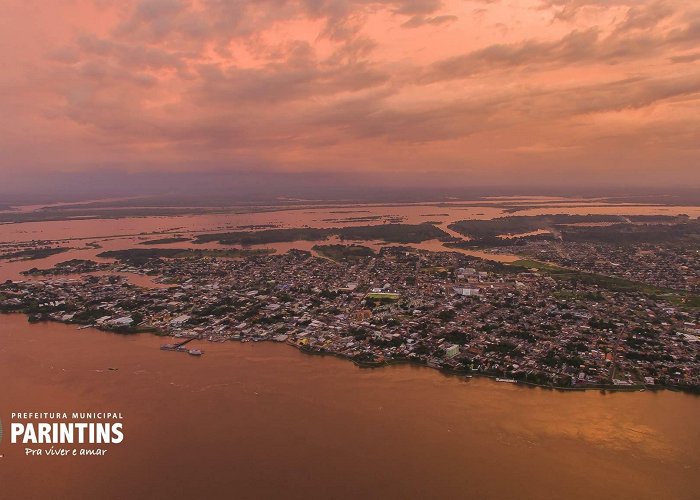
<point>263,420</point>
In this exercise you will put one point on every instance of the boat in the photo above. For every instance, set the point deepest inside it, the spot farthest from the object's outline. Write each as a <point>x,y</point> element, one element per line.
<point>168,347</point>
<point>195,352</point>
<point>507,380</point>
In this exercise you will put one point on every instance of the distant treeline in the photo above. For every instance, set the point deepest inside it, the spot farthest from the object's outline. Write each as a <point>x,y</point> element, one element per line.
<point>631,233</point>
<point>141,255</point>
<point>495,241</point>
<point>392,233</point>
<point>109,213</point>
<point>164,241</point>
<point>33,253</point>
<point>619,229</point>
<point>344,252</point>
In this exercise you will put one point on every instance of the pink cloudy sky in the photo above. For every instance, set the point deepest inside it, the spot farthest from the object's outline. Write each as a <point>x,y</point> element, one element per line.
<point>452,91</point>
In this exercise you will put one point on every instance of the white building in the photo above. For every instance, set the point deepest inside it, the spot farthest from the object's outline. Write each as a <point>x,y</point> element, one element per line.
<point>452,351</point>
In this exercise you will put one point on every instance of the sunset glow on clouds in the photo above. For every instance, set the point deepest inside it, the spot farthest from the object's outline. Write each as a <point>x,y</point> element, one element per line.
<point>475,91</point>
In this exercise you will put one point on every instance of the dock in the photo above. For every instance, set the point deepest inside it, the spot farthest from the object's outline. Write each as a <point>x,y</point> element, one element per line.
<point>180,347</point>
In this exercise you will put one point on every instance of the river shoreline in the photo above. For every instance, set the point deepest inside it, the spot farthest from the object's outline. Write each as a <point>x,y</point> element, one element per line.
<point>374,365</point>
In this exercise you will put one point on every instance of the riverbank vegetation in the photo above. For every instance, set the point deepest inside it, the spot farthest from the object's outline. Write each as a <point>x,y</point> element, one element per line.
<point>391,233</point>
<point>344,252</point>
<point>33,253</point>
<point>140,255</point>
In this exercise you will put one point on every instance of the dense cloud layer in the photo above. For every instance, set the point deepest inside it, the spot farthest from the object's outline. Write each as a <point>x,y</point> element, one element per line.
<point>452,91</point>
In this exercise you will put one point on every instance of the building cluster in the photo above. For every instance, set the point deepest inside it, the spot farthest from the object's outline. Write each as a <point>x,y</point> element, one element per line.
<point>443,309</point>
<point>672,266</point>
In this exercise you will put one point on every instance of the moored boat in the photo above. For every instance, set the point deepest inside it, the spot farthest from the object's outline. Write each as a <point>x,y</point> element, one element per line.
<point>507,380</point>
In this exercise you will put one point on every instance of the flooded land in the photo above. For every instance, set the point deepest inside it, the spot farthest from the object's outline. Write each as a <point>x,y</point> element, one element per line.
<point>494,348</point>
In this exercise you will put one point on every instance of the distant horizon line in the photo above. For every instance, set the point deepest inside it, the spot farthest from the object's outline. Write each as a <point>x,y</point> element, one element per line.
<point>202,196</point>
